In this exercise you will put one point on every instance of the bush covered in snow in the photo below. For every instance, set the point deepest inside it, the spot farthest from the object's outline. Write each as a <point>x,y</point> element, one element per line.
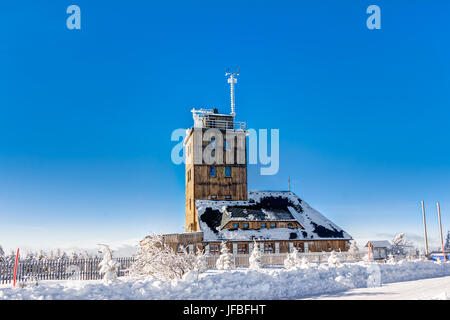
<point>224,262</point>
<point>292,260</point>
<point>333,259</point>
<point>401,246</point>
<point>157,259</point>
<point>2,255</point>
<point>201,264</point>
<point>255,257</point>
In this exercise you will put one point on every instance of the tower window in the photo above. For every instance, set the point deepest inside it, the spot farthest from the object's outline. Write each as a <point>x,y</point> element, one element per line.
<point>212,172</point>
<point>228,172</point>
<point>235,225</point>
<point>228,197</point>
<point>263,225</point>
<point>273,225</point>
<point>213,197</point>
<point>245,225</point>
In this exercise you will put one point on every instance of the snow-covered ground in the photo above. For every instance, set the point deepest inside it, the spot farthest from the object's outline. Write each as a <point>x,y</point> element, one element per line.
<point>268,283</point>
<point>424,289</point>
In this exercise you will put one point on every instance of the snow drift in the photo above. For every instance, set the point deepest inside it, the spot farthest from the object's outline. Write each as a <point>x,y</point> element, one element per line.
<point>265,283</point>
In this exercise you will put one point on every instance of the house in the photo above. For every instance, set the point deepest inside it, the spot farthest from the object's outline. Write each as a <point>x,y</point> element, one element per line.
<point>219,206</point>
<point>378,249</point>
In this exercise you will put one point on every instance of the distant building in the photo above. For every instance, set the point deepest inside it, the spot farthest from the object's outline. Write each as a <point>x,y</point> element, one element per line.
<point>379,248</point>
<point>219,206</point>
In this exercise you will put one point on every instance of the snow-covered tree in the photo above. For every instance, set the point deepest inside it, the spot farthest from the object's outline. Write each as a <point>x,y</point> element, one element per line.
<point>40,256</point>
<point>447,241</point>
<point>224,260</point>
<point>2,255</point>
<point>108,267</point>
<point>292,260</point>
<point>304,263</point>
<point>11,258</point>
<point>401,246</point>
<point>73,255</point>
<point>201,264</point>
<point>155,258</point>
<point>391,258</point>
<point>333,259</point>
<point>353,247</point>
<point>255,257</point>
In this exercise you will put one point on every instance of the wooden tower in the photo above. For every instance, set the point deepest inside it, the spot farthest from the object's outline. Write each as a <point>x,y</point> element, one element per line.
<point>216,159</point>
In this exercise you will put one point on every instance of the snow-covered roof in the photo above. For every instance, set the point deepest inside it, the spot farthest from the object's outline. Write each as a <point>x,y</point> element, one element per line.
<point>265,206</point>
<point>379,243</point>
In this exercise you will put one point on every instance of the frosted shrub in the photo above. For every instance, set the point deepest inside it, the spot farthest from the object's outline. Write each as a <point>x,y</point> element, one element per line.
<point>108,267</point>
<point>304,263</point>
<point>224,261</point>
<point>201,265</point>
<point>353,250</point>
<point>401,246</point>
<point>390,259</point>
<point>155,258</point>
<point>292,260</point>
<point>333,260</point>
<point>255,257</point>
<point>2,255</point>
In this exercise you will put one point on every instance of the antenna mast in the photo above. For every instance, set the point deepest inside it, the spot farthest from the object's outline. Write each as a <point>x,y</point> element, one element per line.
<point>232,80</point>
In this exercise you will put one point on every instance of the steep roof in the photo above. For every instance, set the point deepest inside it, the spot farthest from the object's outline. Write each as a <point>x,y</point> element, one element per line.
<point>379,243</point>
<point>265,206</point>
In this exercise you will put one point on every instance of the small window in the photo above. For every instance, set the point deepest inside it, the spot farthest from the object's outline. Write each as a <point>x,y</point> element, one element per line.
<point>213,197</point>
<point>214,249</point>
<point>235,225</point>
<point>228,172</point>
<point>228,197</point>
<point>273,225</point>
<point>290,225</point>
<point>212,172</point>
<point>242,248</point>
<point>263,225</point>
<point>245,225</point>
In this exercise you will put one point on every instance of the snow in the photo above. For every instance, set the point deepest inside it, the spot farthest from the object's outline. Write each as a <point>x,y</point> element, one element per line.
<point>429,289</point>
<point>264,283</point>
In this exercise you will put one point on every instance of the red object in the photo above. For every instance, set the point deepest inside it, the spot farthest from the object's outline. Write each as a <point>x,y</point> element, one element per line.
<point>15,267</point>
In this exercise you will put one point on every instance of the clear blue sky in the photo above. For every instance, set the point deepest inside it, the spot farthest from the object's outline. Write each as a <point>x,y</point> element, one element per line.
<point>86,115</point>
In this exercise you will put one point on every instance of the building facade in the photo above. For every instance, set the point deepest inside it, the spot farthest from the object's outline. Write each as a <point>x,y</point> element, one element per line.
<point>219,207</point>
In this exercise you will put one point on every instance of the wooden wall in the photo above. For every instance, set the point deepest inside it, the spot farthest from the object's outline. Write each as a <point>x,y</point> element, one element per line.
<point>199,184</point>
<point>313,246</point>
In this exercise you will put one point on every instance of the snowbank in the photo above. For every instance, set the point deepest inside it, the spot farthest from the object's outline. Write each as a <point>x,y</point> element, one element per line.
<point>266,283</point>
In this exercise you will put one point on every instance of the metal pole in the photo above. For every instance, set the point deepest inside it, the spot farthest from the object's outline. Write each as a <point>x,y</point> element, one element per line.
<point>425,229</point>
<point>440,231</point>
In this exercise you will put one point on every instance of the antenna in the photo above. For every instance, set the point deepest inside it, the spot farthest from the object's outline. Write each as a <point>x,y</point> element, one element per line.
<point>232,80</point>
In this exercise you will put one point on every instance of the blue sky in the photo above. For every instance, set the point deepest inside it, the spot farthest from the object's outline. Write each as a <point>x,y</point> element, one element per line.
<point>86,115</point>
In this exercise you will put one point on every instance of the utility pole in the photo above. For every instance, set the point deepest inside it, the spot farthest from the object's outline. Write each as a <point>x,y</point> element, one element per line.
<point>289,181</point>
<point>425,229</point>
<point>440,230</point>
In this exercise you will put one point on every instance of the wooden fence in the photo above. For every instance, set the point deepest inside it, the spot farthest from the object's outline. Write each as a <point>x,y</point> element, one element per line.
<point>277,259</point>
<point>88,269</point>
<point>66,269</point>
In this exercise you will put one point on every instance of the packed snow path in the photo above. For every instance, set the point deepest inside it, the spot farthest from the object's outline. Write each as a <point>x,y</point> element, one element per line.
<point>425,289</point>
